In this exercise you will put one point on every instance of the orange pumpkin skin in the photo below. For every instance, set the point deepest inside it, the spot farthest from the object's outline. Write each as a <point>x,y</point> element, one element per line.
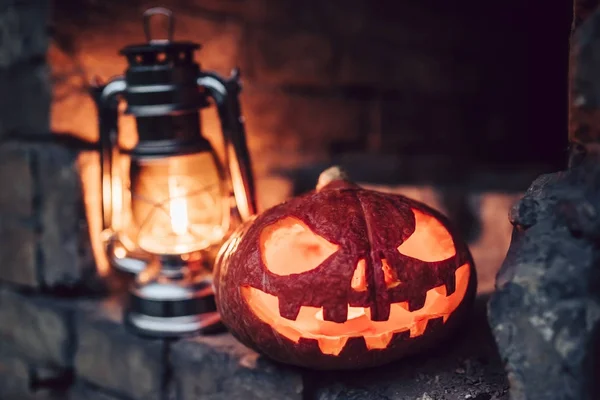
<point>333,280</point>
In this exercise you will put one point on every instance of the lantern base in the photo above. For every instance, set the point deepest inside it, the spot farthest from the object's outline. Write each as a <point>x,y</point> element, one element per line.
<point>172,308</point>
<point>174,327</point>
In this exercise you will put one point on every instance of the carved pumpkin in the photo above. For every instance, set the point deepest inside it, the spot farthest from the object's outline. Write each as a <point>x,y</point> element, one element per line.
<point>343,278</point>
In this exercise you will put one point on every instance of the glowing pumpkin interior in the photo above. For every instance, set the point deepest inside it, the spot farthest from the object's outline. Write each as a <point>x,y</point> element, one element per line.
<point>290,247</point>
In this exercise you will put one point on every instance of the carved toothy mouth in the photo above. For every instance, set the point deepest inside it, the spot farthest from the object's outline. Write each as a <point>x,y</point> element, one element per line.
<point>332,336</point>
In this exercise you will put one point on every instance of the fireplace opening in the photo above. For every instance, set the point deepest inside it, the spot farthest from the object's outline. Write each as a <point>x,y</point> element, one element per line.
<point>448,104</point>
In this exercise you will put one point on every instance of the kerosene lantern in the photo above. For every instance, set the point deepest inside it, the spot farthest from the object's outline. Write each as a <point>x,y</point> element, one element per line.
<point>167,215</point>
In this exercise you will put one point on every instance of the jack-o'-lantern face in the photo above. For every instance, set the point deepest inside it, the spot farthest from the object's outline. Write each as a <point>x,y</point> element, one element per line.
<point>338,266</point>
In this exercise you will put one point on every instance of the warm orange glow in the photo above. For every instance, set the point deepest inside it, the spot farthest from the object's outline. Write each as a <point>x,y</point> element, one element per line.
<point>178,203</point>
<point>237,181</point>
<point>332,336</point>
<point>359,279</point>
<point>89,167</point>
<point>430,242</point>
<point>289,247</point>
<point>391,278</point>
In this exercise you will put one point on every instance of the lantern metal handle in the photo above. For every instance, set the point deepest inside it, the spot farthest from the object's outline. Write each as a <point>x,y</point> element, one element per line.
<point>106,99</point>
<point>225,93</point>
<point>151,12</point>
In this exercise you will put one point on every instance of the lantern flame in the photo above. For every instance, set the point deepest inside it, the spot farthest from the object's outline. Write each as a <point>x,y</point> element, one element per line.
<point>178,207</point>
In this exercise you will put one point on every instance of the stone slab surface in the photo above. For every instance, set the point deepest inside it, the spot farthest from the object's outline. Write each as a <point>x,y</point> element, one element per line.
<point>111,357</point>
<point>15,380</point>
<point>110,363</point>
<point>220,368</point>
<point>84,391</point>
<point>39,328</point>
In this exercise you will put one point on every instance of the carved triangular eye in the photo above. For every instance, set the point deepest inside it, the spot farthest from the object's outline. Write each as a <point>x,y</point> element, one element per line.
<point>288,247</point>
<point>430,241</point>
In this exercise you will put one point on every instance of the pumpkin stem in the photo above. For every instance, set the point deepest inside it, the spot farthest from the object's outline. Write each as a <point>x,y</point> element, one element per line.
<point>331,175</point>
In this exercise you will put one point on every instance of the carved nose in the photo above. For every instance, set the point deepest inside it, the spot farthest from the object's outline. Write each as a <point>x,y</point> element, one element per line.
<point>390,276</point>
<point>359,279</point>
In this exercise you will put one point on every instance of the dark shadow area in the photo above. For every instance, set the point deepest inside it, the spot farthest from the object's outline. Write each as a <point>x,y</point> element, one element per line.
<point>506,97</point>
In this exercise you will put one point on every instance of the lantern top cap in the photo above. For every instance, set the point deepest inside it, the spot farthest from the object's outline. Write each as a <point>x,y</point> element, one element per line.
<point>159,45</point>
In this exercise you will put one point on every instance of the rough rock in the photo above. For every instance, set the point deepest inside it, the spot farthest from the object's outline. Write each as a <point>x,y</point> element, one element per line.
<point>545,314</point>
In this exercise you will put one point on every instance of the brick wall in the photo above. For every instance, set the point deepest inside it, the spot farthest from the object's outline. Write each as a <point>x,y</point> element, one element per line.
<point>325,78</point>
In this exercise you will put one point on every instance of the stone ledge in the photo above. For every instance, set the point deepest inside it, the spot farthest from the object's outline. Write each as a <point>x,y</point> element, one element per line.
<point>219,367</point>
<point>83,391</point>
<point>110,357</point>
<point>39,328</point>
<point>52,341</point>
<point>19,380</point>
